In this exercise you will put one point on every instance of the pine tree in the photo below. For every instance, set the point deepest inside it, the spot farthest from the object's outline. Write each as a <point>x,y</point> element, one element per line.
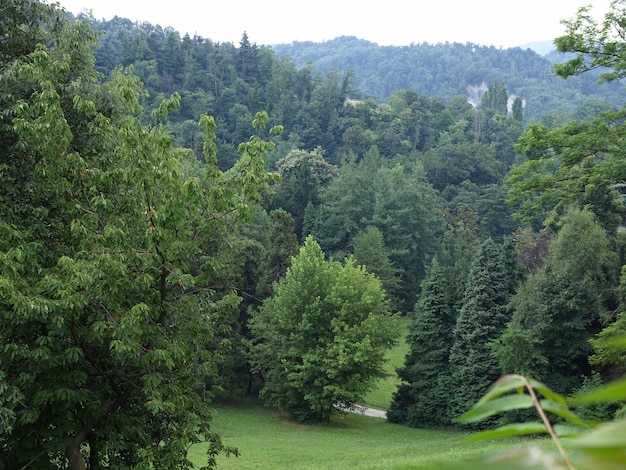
<point>482,318</point>
<point>421,400</point>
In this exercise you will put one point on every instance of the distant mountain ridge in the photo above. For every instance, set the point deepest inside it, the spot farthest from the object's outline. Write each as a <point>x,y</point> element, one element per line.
<point>449,69</point>
<point>542,48</point>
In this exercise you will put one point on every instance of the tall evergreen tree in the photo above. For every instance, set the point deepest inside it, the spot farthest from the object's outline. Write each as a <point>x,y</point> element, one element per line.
<point>247,60</point>
<point>482,318</point>
<point>518,109</point>
<point>283,245</point>
<point>421,399</point>
<point>495,99</point>
<point>370,251</point>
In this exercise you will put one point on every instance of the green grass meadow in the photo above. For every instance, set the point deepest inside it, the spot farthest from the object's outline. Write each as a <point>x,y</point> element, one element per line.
<point>268,440</point>
<point>380,397</point>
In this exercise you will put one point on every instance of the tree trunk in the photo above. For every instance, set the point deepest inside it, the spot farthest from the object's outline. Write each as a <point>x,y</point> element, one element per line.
<point>75,458</point>
<point>72,452</point>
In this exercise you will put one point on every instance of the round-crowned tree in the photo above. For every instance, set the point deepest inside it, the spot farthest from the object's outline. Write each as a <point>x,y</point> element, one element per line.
<point>321,338</point>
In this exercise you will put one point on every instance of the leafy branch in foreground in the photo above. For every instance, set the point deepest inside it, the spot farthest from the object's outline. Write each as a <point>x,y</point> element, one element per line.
<point>579,446</point>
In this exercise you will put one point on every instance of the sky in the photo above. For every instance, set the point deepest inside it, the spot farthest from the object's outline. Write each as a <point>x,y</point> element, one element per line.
<point>500,23</point>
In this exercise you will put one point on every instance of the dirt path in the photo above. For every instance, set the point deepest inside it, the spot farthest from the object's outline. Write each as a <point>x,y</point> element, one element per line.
<point>364,411</point>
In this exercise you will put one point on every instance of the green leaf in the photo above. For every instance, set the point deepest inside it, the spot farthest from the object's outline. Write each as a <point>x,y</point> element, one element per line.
<point>521,458</point>
<point>505,384</point>
<point>547,392</point>
<point>565,430</point>
<point>516,429</point>
<point>562,411</point>
<point>613,391</point>
<point>485,409</point>
<point>607,437</point>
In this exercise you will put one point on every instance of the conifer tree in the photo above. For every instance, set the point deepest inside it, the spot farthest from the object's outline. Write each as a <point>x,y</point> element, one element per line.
<point>420,400</point>
<point>496,98</point>
<point>370,251</point>
<point>482,318</point>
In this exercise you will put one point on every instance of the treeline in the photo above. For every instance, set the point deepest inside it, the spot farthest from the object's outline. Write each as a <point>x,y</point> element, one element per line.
<point>301,85</point>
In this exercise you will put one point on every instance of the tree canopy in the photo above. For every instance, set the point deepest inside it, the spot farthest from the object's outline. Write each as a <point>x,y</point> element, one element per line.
<point>321,339</point>
<point>108,324</point>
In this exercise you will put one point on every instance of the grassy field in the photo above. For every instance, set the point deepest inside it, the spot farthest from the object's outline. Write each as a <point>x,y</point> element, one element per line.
<point>267,440</point>
<point>380,397</point>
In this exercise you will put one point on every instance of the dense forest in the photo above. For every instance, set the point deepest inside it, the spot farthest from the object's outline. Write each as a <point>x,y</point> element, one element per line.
<point>450,69</point>
<point>182,219</point>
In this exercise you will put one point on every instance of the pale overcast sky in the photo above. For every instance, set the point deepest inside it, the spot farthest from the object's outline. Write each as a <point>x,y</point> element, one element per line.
<point>501,23</point>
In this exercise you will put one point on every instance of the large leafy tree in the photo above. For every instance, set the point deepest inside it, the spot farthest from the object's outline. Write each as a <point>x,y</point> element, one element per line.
<point>108,327</point>
<point>321,339</point>
<point>580,162</point>
<point>304,176</point>
<point>558,308</point>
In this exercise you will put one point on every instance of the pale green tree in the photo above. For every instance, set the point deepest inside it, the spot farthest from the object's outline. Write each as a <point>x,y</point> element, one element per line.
<point>304,175</point>
<point>321,339</point>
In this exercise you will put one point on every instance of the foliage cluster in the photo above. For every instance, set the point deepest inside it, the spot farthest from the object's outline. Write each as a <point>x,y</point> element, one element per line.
<point>109,326</point>
<point>321,339</point>
<point>564,318</point>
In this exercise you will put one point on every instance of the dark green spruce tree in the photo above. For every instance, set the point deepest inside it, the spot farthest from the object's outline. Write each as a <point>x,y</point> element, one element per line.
<point>482,318</point>
<point>421,400</point>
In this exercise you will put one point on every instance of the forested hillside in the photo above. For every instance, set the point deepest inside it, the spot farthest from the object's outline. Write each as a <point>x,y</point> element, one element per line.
<point>449,69</point>
<point>182,219</point>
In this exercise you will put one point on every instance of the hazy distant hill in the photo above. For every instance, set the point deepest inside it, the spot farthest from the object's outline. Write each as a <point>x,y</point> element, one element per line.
<point>446,70</point>
<point>542,48</point>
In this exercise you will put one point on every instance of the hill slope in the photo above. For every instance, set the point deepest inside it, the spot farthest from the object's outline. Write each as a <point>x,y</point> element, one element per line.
<point>446,70</point>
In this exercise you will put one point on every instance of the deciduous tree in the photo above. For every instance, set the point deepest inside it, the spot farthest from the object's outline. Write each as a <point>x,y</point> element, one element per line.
<point>557,309</point>
<point>580,162</point>
<point>321,339</point>
<point>108,327</point>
